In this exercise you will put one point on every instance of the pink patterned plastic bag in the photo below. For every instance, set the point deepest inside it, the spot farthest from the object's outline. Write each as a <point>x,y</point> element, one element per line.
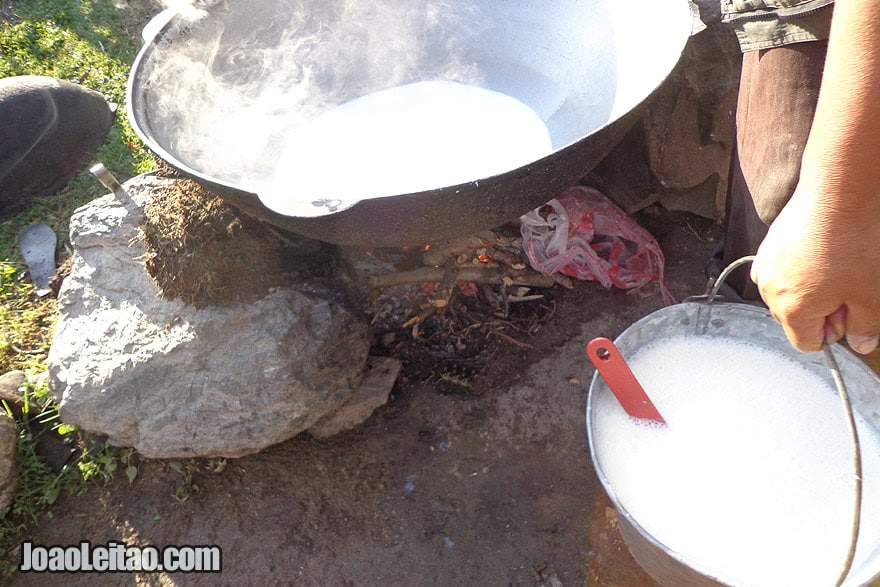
<point>582,234</point>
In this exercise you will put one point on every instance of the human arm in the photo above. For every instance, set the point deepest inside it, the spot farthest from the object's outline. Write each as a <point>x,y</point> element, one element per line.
<point>818,269</point>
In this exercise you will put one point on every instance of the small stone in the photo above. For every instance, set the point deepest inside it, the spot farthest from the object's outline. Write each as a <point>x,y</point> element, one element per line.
<point>372,393</point>
<point>8,477</point>
<point>11,386</point>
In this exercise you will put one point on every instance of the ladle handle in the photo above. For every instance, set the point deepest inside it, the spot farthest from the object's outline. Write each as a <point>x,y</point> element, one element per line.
<point>620,379</point>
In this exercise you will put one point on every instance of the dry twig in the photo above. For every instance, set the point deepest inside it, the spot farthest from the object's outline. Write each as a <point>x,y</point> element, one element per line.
<point>476,274</point>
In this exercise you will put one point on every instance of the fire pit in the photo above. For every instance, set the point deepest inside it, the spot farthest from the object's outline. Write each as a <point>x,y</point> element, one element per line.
<point>222,93</point>
<point>185,330</point>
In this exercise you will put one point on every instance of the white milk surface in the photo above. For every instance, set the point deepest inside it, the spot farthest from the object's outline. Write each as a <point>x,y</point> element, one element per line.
<point>402,140</point>
<point>751,481</point>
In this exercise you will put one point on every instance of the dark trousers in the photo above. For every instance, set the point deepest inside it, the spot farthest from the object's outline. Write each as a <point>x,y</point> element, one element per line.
<point>777,100</point>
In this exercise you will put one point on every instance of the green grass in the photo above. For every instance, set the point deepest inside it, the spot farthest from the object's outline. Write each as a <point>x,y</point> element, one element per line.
<point>90,43</point>
<point>26,322</point>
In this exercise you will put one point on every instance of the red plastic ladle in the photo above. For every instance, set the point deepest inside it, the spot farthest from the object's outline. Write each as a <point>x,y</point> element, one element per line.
<point>621,380</point>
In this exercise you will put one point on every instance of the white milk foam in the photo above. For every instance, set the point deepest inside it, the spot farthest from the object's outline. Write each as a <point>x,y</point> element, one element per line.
<point>405,139</point>
<point>751,481</point>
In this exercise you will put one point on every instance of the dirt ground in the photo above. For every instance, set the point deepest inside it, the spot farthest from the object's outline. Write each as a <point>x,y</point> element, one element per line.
<point>489,487</point>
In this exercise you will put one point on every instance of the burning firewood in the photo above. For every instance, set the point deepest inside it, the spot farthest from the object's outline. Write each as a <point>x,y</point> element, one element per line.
<point>476,274</point>
<point>437,255</point>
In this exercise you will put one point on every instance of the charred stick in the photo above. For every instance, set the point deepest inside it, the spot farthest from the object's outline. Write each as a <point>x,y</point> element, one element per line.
<point>511,260</point>
<point>532,298</point>
<point>505,303</point>
<point>440,253</point>
<point>511,340</point>
<point>476,274</point>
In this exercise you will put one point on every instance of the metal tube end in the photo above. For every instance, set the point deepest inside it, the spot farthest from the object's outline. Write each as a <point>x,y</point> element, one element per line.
<point>110,182</point>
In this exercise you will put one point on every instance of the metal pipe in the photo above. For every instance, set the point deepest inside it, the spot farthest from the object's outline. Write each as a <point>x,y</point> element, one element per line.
<point>111,183</point>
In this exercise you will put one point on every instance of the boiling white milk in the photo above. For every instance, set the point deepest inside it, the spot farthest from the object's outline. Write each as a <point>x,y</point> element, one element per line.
<point>752,479</point>
<point>402,140</point>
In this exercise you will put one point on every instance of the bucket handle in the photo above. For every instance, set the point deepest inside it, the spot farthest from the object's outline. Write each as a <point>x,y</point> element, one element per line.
<point>831,364</point>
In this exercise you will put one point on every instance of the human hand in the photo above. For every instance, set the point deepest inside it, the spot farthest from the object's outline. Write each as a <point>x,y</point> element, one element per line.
<point>818,270</point>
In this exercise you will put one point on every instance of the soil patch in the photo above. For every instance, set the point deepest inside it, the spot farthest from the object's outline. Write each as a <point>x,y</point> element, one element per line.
<point>488,483</point>
<point>199,250</point>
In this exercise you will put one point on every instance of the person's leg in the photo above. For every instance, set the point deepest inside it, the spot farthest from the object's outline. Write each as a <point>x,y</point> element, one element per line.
<point>777,99</point>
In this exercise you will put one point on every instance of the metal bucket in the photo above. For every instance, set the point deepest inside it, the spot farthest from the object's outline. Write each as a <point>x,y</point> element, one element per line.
<point>738,322</point>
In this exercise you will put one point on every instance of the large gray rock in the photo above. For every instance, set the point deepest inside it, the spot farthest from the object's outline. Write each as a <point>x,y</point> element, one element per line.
<point>51,129</point>
<point>679,153</point>
<point>8,476</point>
<point>171,380</point>
<point>690,124</point>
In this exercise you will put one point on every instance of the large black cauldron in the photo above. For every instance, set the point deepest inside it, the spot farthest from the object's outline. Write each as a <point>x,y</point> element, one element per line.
<point>585,66</point>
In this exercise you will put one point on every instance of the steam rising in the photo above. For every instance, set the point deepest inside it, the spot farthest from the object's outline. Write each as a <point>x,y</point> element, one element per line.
<point>230,79</point>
